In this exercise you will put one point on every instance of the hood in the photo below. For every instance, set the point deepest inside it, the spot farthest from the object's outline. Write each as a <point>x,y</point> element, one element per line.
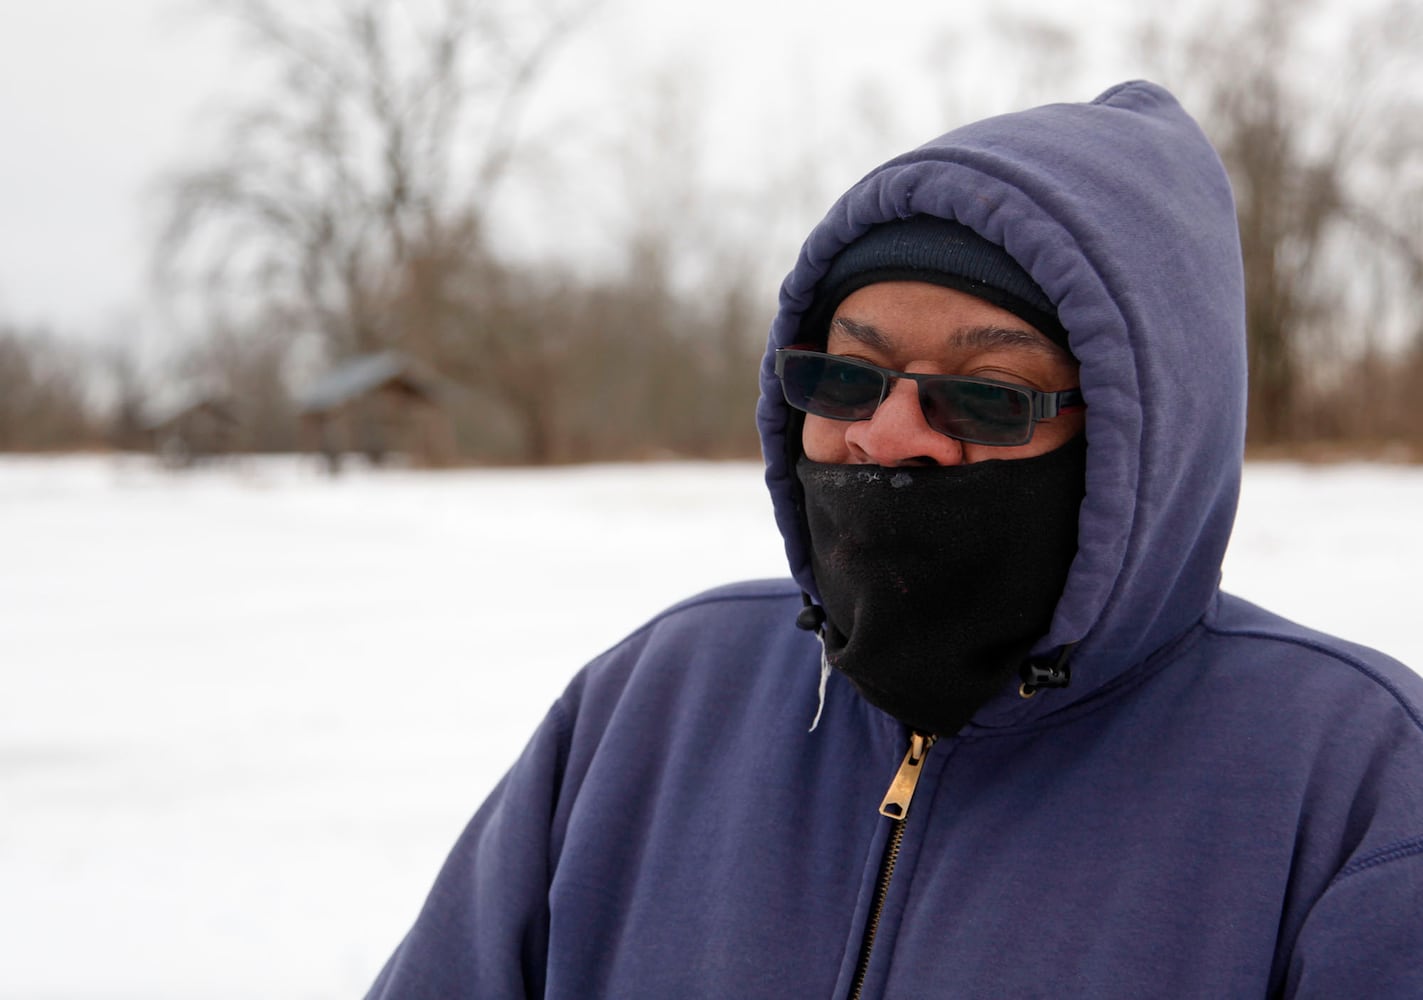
<point>1121,212</point>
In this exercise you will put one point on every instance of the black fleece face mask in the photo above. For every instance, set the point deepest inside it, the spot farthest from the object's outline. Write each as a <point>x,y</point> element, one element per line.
<point>937,581</point>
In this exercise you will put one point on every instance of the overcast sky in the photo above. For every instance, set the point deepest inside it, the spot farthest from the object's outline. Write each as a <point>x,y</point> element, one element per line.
<point>98,98</point>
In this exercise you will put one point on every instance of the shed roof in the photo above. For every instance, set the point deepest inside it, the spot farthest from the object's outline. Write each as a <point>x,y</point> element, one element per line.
<point>358,376</point>
<point>171,407</point>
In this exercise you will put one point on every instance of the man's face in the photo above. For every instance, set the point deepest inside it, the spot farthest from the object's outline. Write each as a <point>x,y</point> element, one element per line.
<point>913,326</point>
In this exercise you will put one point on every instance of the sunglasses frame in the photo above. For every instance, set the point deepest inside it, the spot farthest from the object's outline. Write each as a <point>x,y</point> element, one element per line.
<point>1042,405</point>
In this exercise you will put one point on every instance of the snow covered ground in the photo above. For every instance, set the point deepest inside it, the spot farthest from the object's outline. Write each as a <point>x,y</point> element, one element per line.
<point>247,710</point>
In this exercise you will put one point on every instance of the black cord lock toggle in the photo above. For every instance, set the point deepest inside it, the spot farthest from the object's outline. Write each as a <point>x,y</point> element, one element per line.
<point>811,617</point>
<point>1039,674</point>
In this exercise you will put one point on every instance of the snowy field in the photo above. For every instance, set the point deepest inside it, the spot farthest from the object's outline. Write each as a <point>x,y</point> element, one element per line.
<point>246,711</point>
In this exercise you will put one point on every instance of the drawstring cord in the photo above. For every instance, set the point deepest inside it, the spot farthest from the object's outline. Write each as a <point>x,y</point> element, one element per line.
<point>824,677</point>
<point>812,619</point>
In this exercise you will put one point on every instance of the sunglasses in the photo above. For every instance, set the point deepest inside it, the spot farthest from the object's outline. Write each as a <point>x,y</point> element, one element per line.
<point>974,410</point>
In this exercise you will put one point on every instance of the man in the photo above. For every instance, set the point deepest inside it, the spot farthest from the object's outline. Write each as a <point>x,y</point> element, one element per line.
<point>1002,414</point>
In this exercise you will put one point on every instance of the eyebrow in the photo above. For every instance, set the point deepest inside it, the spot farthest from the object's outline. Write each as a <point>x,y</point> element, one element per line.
<point>971,337</point>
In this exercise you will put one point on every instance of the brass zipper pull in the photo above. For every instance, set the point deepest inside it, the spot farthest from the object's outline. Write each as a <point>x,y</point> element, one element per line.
<point>901,790</point>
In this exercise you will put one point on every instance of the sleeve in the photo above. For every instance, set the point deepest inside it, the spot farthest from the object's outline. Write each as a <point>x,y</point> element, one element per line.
<point>1364,937</point>
<point>483,931</point>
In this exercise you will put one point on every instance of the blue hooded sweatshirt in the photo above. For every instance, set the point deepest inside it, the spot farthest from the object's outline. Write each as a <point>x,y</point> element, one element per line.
<point>1220,804</point>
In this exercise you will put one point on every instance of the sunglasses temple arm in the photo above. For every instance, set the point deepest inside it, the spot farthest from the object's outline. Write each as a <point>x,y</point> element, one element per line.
<point>1047,405</point>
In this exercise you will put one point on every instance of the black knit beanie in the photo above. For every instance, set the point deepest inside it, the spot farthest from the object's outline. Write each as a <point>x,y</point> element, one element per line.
<point>940,252</point>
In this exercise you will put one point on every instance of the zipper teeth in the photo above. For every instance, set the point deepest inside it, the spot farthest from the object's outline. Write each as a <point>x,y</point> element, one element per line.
<point>891,858</point>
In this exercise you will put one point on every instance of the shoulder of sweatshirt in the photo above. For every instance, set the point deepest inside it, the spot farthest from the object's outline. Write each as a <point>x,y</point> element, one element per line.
<point>1301,658</point>
<point>703,656</point>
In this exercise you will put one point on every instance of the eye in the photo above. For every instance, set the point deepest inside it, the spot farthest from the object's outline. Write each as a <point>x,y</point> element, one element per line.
<point>847,383</point>
<point>974,411</point>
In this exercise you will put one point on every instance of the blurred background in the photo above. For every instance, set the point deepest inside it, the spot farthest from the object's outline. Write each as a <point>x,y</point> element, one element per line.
<point>368,366</point>
<point>491,231</point>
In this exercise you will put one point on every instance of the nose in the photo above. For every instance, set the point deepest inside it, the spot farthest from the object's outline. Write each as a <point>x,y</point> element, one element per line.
<point>898,435</point>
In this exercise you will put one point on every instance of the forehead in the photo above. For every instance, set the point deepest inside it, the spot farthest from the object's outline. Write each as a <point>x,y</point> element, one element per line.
<point>895,316</point>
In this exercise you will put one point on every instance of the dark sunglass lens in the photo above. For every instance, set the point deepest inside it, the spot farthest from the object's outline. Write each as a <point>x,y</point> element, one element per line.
<point>830,387</point>
<point>973,411</point>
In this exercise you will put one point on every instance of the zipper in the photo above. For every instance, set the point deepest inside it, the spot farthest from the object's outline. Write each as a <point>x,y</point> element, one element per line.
<point>896,807</point>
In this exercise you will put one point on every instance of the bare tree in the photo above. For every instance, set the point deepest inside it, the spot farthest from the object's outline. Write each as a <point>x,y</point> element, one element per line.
<point>650,351</point>
<point>1324,144</point>
<point>1015,60</point>
<point>127,393</point>
<point>43,404</point>
<point>347,192</point>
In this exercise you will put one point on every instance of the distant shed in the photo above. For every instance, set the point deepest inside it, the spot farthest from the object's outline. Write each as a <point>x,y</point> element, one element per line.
<point>190,429</point>
<point>377,405</point>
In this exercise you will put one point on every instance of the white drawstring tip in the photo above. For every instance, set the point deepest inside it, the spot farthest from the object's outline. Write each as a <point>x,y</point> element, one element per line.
<point>824,676</point>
